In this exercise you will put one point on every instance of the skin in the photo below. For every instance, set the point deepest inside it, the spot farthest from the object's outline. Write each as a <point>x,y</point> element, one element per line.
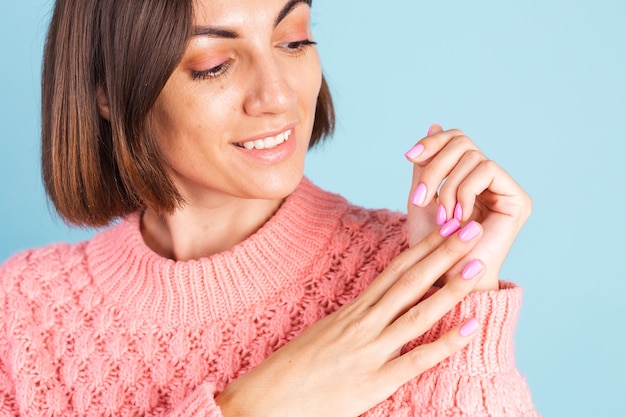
<point>351,360</point>
<point>264,86</point>
<point>485,192</point>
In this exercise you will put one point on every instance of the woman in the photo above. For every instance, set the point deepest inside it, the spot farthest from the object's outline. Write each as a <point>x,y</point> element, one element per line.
<point>232,285</point>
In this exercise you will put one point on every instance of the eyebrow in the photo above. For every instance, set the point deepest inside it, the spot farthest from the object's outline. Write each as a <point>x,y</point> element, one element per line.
<point>217,32</point>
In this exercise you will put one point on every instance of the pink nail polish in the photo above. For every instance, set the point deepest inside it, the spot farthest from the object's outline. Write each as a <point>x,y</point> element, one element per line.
<point>469,232</point>
<point>458,212</point>
<point>469,328</point>
<point>450,228</point>
<point>442,215</point>
<point>419,196</point>
<point>431,128</point>
<point>472,269</point>
<point>415,151</point>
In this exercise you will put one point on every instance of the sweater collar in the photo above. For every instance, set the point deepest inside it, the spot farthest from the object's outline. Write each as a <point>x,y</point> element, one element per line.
<point>221,286</point>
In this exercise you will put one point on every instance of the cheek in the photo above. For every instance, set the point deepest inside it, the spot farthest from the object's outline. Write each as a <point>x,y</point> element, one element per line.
<point>308,83</point>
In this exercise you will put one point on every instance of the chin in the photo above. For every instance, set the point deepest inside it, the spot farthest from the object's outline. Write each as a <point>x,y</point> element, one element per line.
<point>280,186</point>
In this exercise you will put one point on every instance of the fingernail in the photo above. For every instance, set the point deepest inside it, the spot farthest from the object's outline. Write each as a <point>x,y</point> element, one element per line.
<point>469,328</point>
<point>458,212</point>
<point>431,128</point>
<point>415,151</point>
<point>450,228</point>
<point>442,215</point>
<point>419,196</point>
<point>472,269</point>
<point>469,232</point>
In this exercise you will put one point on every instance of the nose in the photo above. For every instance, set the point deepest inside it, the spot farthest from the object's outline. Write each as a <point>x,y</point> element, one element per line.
<point>269,90</point>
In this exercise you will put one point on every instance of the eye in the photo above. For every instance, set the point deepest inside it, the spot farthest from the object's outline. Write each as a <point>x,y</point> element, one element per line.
<point>298,47</point>
<point>211,73</point>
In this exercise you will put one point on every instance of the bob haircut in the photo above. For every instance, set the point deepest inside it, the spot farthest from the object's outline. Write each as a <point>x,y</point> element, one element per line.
<point>96,170</point>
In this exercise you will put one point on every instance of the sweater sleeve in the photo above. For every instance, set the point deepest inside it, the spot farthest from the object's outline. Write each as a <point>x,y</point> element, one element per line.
<point>8,407</point>
<point>479,381</point>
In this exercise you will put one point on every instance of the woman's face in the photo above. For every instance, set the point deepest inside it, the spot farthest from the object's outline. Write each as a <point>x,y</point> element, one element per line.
<point>235,117</point>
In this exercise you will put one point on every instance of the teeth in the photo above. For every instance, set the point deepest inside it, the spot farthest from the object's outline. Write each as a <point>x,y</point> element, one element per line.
<point>267,143</point>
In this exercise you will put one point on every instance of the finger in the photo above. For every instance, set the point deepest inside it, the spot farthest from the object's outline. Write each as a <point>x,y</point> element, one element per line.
<point>422,316</point>
<point>400,265</point>
<point>458,208</point>
<point>431,144</point>
<point>426,356</point>
<point>488,176</point>
<point>439,167</point>
<point>419,278</point>
<point>418,191</point>
<point>418,148</point>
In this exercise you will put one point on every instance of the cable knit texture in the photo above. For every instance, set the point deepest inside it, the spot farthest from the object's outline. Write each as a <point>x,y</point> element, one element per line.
<point>109,328</point>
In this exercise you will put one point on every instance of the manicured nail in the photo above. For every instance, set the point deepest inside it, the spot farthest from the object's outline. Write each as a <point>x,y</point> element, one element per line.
<point>458,212</point>
<point>419,196</point>
<point>450,228</point>
<point>415,151</point>
<point>431,128</point>
<point>469,328</point>
<point>442,215</point>
<point>472,269</point>
<point>469,232</point>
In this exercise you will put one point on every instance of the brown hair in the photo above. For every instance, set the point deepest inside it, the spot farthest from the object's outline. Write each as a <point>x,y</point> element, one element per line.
<point>96,170</point>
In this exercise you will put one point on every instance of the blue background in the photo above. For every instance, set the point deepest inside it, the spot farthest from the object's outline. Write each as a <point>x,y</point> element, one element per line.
<point>539,85</point>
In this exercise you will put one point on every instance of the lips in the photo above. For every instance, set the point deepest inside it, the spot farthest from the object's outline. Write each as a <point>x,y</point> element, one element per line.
<point>269,142</point>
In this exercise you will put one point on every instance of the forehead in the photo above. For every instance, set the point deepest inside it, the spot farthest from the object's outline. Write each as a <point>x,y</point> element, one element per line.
<point>241,13</point>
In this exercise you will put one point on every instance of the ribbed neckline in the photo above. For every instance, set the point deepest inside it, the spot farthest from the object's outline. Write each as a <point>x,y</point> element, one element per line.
<point>223,285</point>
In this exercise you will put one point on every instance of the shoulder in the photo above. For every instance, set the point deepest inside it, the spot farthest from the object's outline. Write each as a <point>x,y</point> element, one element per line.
<point>367,235</point>
<point>29,271</point>
<point>375,236</point>
<point>378,221</point>
<point>48,266</point>
<point>351,216</point>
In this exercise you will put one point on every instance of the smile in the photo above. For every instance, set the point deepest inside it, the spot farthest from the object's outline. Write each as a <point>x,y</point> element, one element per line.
<point>269,142</point>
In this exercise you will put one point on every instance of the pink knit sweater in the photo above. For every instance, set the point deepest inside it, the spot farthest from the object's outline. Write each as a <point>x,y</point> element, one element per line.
<point>109,328</point>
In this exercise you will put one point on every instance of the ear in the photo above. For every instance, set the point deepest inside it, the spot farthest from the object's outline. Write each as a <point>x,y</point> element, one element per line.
<point>103,103</point>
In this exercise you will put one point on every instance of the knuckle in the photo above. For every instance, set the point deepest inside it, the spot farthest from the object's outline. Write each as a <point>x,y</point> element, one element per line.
<point>457,292</point>
<point>474,156</point>
<point>420,360</point>
<point>397,266</point>
<point>432,241</point>
<point>407,280</point>
<point>417,314</point>
<point>525,206</point>
<point>462,141</point>
<point>357,329</point>
<point>451,344</point>
<point>528,203</point>
<point>452,249</point>
<point>489,165</point>
<point>456,132</point>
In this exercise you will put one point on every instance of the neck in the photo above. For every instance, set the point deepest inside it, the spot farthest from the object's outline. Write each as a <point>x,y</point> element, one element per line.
<point>194,232</point>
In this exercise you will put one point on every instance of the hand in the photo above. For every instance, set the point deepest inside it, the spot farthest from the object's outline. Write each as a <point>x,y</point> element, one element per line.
<point>351,360</point>
<point>474,188</point>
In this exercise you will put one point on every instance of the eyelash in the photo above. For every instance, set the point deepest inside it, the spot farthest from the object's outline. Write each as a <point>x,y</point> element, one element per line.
<point>212,72</point>
<point>299,47</point>
<point>295,48</point>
